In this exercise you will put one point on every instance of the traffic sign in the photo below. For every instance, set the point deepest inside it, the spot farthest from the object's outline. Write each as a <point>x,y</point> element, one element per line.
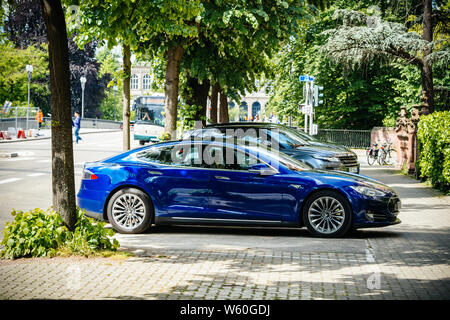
<point>307,109</point>
<point>304,78</point>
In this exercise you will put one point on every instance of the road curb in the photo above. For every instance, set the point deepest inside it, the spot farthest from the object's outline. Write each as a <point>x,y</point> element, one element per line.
<point>48,137</point>
<point>8,154</point>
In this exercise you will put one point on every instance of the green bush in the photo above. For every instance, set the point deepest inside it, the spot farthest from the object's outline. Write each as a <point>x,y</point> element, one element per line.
<point>39,233</point>
<point>434,142</point>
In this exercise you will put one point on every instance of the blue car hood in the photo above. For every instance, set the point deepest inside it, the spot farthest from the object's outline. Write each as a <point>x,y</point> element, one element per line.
<point>358,178</point>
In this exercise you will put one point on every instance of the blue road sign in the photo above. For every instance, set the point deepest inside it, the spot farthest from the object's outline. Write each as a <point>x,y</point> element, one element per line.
<point>304,78</point>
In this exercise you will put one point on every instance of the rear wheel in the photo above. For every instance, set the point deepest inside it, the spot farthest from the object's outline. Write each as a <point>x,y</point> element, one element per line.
<point>327,214</point>
<point>141,142</point>
<point>129,211</point>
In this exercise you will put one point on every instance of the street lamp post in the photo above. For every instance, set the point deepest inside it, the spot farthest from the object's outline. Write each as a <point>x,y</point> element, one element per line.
<point>29,69</point>
<point>115,89</point>
<point>83,83</point>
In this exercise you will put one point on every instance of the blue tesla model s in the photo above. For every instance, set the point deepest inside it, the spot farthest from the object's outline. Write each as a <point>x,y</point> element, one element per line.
<point>208,182</point>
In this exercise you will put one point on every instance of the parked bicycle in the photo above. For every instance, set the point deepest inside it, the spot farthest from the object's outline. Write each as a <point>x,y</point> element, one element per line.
<point>384,154</point>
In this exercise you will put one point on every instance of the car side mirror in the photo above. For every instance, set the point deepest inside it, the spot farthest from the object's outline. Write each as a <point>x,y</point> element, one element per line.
<point>262,170</point>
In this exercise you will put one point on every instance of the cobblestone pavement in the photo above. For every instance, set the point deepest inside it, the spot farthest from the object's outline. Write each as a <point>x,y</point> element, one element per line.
<point>406,261</point>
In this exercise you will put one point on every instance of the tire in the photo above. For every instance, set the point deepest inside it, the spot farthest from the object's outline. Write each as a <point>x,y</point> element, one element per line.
<point>318,214</point>
<point>389,159</point>
<point>370,159</point>
<point>130,211</point>
<point>141,142</point>
<point>382,157</point>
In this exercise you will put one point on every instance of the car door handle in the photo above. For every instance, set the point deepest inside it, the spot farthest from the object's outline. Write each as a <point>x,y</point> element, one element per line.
<point>155,172</point>
<point>221,178</point>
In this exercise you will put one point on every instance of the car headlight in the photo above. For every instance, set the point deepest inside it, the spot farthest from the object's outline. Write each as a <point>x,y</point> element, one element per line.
<point>329,159</point>
<point>368,191</point>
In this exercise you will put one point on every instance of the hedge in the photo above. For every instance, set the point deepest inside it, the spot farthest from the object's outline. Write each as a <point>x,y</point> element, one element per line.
<point>434,144</point>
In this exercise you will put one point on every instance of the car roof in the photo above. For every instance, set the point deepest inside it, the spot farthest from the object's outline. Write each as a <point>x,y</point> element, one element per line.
<point>243,124</point>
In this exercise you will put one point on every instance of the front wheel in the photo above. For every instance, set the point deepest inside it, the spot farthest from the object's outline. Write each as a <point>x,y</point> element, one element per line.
<point>327,214</point>
<point>130,211</point>
<point>370,157</point>
<point>382,158</point>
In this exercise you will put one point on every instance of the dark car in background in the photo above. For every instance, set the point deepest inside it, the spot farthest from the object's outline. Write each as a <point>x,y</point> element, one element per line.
<point>318,155</point>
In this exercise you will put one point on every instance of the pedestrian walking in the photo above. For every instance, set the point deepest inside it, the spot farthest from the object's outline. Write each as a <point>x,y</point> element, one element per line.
<point>77,124</point>
<point>39,118</point>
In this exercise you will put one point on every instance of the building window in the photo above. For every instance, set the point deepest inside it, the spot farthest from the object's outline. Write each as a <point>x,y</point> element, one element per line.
<point>134,81</point>
<point>146,82</point>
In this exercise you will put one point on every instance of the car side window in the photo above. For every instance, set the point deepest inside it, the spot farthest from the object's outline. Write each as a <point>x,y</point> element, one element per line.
<point>159,155</point>
<point>188,156</point>
<point>241,160</point>
<point>175,155</point>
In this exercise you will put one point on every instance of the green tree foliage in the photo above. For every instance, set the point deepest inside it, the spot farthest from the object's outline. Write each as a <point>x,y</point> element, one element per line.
<point>353,99</point>
<point>365,92</point>
<point>24,26</point>
<point>14,80</point>
<point>154,27</point>
<point>360,38</point>
<point>434,140</point>
<point>237,36</point>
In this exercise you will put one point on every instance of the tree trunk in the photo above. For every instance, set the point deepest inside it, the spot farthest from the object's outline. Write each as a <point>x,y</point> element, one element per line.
<point>62,151</point>
<point>126,97</point>
<point>214,97</point>
<point>199,97</point>
<point>427,71</point>
<point>174,55</point>
<point>223,108</point>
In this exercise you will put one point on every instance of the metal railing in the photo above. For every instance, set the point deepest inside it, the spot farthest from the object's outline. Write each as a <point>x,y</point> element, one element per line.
<point>18,118</point>
<point>348,138</point>
<point>89,123</point>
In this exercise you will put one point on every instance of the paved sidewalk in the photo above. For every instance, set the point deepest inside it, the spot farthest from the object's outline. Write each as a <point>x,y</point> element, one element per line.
<point>406,261</point>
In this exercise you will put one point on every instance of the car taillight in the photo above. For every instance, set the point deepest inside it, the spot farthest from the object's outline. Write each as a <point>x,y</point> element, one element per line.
<point>87,175</point>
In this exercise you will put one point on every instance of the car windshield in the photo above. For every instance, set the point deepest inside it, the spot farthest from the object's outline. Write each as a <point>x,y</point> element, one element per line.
<point>149,110</point>
<point>290,163</point>
<point>286,139</point>
<point>265,136</point>
<point>301,134</point>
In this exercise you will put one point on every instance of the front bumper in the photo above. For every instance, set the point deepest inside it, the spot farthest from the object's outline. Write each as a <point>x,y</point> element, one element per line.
<point>145,138</point>
<point>375,212</point>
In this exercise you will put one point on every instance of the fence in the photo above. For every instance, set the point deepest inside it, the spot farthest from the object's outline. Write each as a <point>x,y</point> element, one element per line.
<point>89,123</point>
<point>18,117</point>
<point>348,138</point>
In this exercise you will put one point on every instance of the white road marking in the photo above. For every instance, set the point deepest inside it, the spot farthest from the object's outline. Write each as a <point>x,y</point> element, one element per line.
<point>37,174</point>
<point>44,160</point>
<point>9,180</point>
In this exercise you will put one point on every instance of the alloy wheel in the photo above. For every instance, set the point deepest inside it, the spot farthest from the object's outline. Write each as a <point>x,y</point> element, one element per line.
<point>326,215</point>
<point>128,211</point>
